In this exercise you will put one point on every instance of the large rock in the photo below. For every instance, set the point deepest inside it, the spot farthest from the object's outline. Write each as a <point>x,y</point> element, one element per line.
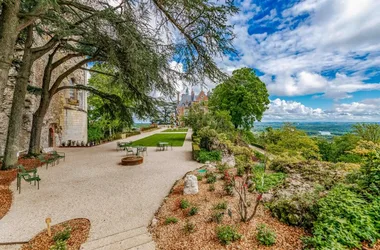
<point>191,184</point>
<point>229,160</point>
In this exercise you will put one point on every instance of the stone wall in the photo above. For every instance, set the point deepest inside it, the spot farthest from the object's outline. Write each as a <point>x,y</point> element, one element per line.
<point>56,119</point>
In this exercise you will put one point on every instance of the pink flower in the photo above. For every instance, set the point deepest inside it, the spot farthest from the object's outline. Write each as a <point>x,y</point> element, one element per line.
<point>259,197</point>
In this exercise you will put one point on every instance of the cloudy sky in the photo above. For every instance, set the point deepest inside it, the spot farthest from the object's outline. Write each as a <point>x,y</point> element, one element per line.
<point>320,59</point>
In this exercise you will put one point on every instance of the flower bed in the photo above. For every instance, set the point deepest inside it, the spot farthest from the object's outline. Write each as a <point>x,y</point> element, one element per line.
<point>75,232</point>
<point>180,228</point>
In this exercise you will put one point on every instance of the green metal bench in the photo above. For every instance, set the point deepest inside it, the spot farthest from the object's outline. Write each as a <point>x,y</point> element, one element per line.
<point>129,150</point>
<point>46,161</point>
<point>142,149</point>
<point>58,155</point>
<point>26,175</point>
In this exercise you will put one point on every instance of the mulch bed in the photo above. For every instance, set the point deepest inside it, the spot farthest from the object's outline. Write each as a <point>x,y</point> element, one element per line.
<point>80,229</point>
<point>7,177</point>
<point>172,236</point>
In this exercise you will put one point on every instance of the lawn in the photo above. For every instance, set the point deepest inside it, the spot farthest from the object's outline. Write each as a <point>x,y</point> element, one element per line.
<point>151,141</point>
<point>184,130</point>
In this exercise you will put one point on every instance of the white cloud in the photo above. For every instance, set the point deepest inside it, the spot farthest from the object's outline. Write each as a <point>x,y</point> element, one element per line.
<point>281,110</point>
<point>335,32</point>
<point>306,83</point>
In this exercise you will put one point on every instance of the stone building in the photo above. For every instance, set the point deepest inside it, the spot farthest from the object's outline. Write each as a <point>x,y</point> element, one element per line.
<point>66,119</point>
<point>184,104</point>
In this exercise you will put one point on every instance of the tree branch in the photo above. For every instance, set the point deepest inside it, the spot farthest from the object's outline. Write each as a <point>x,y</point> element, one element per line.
<point>99,72</point>
<point>58,81</point>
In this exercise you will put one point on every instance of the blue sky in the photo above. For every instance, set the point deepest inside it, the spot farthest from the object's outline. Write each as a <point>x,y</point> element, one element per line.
<point>320,59</point>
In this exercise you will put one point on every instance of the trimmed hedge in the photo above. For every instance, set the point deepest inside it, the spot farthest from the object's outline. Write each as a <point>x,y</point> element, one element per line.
<point>132,133</point>
<point>196,151</point>
<point>151,127</point>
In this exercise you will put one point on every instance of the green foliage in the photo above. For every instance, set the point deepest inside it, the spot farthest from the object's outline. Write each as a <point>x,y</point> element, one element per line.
<point>193,211</point>
<point>368,131</point>
<point>184,130</point>
<point>196,150</point>
<point>189,227</point>
<point>63,235</point>
<point>207,137</point>
<point>339,150</point>
<point>211,179</point>
<point>103,115</point>
<point>211,156</point>
<point>221,205</point>
<point>344,220</point>
<point>217,217</point>
<point>248,137</point>
<point>227,234</point>
<point>95,134</point>
<point>199,177</point>
<point>297,210</point>
<point>222,167</point>
<point>244,96</point>
<point>184,204</point>
<point>265,235</point>
<point>59,245</point>
<point>266,181</point>
<point>171,220</point>
<point>291,141</point>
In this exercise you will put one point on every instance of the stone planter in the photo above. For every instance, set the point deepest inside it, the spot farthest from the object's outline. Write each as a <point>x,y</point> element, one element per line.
<point>132,160</point>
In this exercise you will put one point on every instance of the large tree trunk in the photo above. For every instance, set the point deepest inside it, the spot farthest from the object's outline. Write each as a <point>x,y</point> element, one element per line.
<point>18,103</point>
<point>8,36</point>
<point>38,119</point>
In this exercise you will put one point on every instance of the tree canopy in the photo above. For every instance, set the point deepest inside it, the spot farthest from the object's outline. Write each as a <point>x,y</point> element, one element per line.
<point>243,95</point>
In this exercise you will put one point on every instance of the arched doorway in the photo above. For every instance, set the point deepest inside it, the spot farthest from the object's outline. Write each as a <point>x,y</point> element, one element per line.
<point>51,137</point>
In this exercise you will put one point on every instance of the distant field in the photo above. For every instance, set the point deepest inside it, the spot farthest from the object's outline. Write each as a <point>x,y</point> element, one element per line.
<point>311,128</point>
<point>184,130</point>
<point>176,140</point>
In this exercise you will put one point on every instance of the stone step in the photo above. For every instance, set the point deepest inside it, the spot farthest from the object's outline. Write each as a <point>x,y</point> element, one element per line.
<point>124,240</point>
<point>138,242</point>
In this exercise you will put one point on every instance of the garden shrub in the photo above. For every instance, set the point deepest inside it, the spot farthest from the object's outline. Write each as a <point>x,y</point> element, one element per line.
<point>209,156</point>
<point>211,188</point>
<point>196,139</point>
<point>221,205</point>
<point>297,210</point>
<point>59,245</point>
<point>199,177</point>
<point>344,220</point>
<point>171,220</point>
<point>260,156</point>
<point>211,177</point>
<point>196,151</point>
<point>193,211</point>
<point>184,204</point>
<point>227,234</point>
<point>189,227</point>
<point>222,167</point>
<point>63,235</point>
<point>265,235</point>
<point>208,137</point>
<point>217,217</point>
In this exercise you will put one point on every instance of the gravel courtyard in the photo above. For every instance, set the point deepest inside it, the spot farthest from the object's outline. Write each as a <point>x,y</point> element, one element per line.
<point>91,184</point>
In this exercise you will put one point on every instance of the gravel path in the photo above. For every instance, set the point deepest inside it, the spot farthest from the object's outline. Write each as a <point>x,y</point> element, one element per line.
<point>91,184</point>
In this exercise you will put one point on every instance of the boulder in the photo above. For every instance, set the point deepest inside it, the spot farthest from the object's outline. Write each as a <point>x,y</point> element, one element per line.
<point>191,184</point>
<point>229,160</point>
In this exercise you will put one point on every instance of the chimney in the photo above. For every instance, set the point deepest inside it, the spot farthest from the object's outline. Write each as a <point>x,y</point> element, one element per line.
<point>177,97</point>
